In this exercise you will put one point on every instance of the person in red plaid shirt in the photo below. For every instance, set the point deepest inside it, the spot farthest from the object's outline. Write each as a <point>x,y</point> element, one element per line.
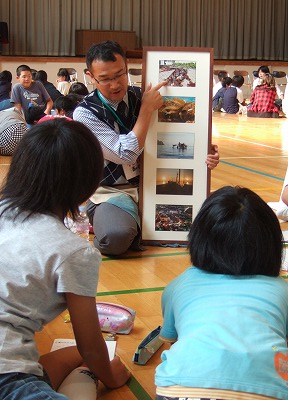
<point>262,101</point>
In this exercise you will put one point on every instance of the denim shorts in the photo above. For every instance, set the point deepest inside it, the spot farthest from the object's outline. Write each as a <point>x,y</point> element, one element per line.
<point>19,386</point>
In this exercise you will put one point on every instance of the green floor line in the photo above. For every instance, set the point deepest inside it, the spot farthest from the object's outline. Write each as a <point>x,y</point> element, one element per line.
<point>252,170</point>
<point>147,256</point>
<point>130,291</point>
<point>138,391</point>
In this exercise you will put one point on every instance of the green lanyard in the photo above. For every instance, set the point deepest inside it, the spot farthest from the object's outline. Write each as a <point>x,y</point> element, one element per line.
<point>112,110</point>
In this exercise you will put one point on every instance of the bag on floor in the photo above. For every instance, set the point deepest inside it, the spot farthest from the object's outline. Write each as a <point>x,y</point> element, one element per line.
<point>114,318</point>
<point>148,347</point>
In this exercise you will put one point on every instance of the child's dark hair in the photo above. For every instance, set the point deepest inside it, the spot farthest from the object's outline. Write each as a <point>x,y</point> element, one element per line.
<point>57,165</point>
<point>34,113</point>
<point>264,68</point>
<point>64,72</point>
<point>78,88</point>
<point>226,81</point>
<point>236,233</point>
<point>6,76</point>
<point>237,81</point>
<point>22,68</point>
<point>221,75</point>
<point>41,76</point>
<point>104,51</point>
<point>75,97</point>
<point>70,102</point>
<point>64,103</point>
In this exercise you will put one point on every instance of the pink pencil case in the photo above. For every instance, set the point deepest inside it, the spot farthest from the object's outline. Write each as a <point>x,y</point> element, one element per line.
<point>114,318</point>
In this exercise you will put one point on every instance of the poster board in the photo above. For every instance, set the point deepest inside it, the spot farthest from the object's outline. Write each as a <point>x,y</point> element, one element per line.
<point>175,179</point>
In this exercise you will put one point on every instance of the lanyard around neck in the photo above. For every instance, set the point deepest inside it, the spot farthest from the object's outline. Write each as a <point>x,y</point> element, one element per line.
<point>112,110</point>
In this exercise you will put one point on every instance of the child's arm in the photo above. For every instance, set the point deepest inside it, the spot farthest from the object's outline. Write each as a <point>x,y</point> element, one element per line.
<point>240,97</point>
<point>49,106</point>
<point>168,331</point>
<point>18,106</point>
<point>90,342</point>
<point>59,363</point>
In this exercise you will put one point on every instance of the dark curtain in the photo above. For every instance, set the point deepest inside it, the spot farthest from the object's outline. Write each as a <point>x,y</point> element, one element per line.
<point>236,29</point>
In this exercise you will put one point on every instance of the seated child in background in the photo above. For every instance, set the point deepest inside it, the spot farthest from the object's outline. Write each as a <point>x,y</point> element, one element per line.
<point>233,96</point>
<point>217,101</point>
<point>262,101</point>
<point>76,98</point>
<point>63,105</point>
<point>34,114</point>
<point>221,75</point>
<point>28,92</point>
<point>63,81</point>
<point>56,167</point>
<point>77,92</point>
<point>228,314</point>
<point>78,88</point>
<point>262,71</point>
<point>12,128</point>
<point>5,90</point>
<point>41,76</point>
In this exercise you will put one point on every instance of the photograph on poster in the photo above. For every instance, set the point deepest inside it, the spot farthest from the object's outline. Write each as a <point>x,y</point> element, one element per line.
<point>174,181</point>
<point>177,109</point>
<point>173,217</point>
<point>178,73</point>
<point>178,145</point>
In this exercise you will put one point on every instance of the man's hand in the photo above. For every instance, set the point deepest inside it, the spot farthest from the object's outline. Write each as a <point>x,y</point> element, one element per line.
<point>152,99</point>
<point>212,159</point>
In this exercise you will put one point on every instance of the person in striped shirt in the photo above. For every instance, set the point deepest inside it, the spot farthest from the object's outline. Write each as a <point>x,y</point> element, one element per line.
<point>119,115</point>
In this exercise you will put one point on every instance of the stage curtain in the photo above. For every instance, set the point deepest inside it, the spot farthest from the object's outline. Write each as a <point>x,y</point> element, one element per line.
<point>236,29</point>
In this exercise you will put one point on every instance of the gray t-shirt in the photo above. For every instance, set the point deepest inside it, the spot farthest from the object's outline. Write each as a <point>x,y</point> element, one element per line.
<point>35,94</point>
<point>40,261</point>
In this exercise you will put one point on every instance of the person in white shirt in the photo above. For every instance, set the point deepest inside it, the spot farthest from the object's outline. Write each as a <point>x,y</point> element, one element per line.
<point>218,85</point>
<point>63,81</point>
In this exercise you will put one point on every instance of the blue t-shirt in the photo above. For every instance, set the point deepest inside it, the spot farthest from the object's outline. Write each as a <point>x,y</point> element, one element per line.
<point>230,331</point>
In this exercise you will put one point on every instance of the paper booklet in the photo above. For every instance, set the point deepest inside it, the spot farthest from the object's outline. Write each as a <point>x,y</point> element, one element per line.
<point>60,343</point>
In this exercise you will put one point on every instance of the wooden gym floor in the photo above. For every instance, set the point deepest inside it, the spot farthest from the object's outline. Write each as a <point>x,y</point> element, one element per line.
<point>253,154</point>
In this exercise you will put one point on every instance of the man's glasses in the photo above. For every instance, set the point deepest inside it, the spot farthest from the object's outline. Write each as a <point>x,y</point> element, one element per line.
<point>107,81</point>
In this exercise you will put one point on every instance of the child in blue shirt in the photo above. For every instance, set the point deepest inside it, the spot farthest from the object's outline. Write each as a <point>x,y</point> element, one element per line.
<point>227,315</point>
<point>233,96</point>
<point>217,100</point>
